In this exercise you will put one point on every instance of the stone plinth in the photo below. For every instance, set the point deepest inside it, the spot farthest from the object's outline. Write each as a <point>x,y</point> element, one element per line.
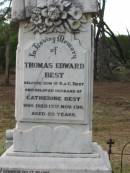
<point>19,162</point>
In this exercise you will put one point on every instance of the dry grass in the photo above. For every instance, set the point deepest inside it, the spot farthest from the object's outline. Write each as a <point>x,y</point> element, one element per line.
<point>6,110</point>
<point>111,117</point>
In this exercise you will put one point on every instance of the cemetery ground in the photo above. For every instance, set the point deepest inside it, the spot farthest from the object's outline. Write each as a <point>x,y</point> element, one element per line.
<point>111,118</point>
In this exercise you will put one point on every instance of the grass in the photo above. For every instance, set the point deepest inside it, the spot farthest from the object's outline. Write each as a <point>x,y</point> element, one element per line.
<point>112,120</point>
<point>122,74</point>
<point>7,120</point>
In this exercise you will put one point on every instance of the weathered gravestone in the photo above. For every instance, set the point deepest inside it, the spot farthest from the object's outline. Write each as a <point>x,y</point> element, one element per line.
<point>54,86</point>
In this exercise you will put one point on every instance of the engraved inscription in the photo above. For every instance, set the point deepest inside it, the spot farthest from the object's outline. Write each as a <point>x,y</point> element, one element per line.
<point>54,80</point>
<point>5,170</point>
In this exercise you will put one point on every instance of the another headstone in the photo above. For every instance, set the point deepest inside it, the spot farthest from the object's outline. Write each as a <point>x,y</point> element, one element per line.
<point>54,89</point>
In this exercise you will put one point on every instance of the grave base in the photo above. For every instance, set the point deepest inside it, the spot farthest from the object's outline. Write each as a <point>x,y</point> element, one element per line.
<point>97,162</point>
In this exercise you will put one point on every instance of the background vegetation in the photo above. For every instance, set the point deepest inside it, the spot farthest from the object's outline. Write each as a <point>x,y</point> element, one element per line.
<point>112,52</point>
<point>111,99</point>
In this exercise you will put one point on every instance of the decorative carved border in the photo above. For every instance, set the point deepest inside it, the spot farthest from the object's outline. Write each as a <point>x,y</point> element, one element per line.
<point>57,16</point>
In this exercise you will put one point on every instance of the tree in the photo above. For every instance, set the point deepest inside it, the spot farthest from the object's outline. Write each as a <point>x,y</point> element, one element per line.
<point>5,10</point>
<point>102,32</point>
<point>6,30</point>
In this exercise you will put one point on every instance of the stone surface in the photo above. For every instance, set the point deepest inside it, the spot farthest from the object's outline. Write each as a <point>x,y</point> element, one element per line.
<point>53,82</point>
<point>54,93</point>
<point>9,138</point>
<point>18,164</point>
<point>52,139</point>
<point>93,154</point>
<point>20,7</point>
<point>37,85</point>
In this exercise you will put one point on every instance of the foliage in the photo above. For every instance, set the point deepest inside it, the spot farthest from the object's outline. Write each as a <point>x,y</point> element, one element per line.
<point>8,33</point>
<point>109,64</point>
<point>5,9</point>
<point>110,50</point>
<point>112,53</point>
<point>124,42</point>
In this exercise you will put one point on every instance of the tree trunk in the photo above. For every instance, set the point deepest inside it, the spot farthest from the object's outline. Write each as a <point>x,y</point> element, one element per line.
<point>7,62</point>
<point>95,61</point>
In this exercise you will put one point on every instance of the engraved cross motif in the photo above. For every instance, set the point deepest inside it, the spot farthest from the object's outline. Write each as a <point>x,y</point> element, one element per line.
<point>54,50</point>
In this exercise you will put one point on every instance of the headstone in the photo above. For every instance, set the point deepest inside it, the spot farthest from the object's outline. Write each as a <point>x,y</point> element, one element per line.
<point>54,89</point>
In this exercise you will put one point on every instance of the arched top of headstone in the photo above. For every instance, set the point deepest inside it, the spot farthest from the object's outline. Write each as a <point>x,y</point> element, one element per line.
<point>20,8</point>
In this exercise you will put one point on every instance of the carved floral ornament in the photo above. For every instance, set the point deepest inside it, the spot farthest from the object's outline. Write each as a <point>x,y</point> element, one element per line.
<point>57,16</point>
